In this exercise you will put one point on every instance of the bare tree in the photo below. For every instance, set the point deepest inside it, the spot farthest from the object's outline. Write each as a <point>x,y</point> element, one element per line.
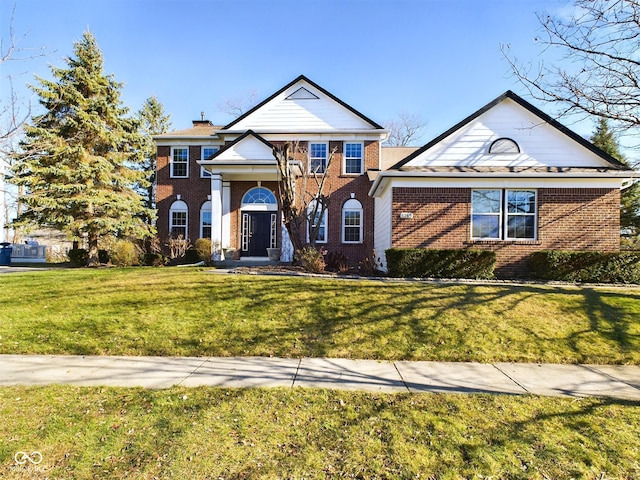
<point>405,130</point>
<point>14,113</point>
<point>238,106</point>
<point>598,73</point>
<point>302,193</point>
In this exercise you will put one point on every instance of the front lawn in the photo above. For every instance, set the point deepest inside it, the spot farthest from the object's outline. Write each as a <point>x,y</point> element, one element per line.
<point>207,433</point>
<point>191,312</point>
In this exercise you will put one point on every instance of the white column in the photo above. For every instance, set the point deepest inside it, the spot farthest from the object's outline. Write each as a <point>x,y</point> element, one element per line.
<point>226,214</point>
<point>216,217</point>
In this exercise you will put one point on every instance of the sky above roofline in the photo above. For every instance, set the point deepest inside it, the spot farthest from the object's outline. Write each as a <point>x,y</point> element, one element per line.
<point>439,59</point>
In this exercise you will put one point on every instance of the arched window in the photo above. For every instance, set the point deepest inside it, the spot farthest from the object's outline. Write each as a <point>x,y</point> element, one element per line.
<point>352,221</point>
<point>259,198</point>
<point>178,216</point>
<point>321,223</point>
<point>504,145</point>
<point>205,220</point>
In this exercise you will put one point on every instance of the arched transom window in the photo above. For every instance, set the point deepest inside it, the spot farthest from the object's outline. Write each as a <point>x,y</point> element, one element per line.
<point>260,198</point>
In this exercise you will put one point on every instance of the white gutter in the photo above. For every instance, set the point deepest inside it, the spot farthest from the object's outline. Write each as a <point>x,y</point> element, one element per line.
<point>628,175</point>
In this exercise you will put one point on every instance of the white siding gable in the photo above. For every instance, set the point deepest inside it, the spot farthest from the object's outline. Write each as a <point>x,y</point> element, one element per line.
<point>541,145</point>
<point>249,148</point>
<point>302,108</point>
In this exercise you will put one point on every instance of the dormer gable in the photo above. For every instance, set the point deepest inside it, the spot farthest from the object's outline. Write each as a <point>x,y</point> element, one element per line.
<point>248,147</point>
<point>302,106</point>
<point>509,133</point>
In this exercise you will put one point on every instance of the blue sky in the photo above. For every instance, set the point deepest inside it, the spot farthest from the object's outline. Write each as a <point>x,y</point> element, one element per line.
<point>439,59</point>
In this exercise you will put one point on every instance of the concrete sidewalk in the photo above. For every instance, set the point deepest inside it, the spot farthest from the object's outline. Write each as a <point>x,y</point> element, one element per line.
<point>613,381</point>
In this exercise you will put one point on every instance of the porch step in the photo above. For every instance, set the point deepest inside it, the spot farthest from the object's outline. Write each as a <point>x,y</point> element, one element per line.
<point>247,262</point>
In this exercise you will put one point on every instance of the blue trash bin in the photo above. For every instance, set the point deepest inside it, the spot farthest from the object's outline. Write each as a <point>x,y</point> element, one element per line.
<point>5,254</point>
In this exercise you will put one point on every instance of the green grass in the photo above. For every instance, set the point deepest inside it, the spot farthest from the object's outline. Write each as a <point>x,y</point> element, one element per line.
<point>201,433</point>
<point>189,312</point>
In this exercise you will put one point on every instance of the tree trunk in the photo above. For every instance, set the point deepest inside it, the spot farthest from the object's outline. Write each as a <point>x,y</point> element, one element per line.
<point>94,259</point>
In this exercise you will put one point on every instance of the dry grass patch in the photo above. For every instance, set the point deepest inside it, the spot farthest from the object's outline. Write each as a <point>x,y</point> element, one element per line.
<point>200,433</point>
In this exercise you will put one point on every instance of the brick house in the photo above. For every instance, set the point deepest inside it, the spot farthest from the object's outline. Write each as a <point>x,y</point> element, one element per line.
<point>222,182</point>
<point>507,178</point>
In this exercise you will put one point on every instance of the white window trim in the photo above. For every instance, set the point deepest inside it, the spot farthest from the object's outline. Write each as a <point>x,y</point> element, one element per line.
<point>498,214</point>
<point>256,207</point>
<point>344,158</point>
<point>346,209</point>
<point>507,214</point>
<point>203,172</point>
<point>179,206</point>
<point>204,210</point>
<point>172,162</point>
<point>504,216</point>
<point>326,158</point>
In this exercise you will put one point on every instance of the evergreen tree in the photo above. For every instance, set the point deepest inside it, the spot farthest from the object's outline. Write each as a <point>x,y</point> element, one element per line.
<point>76,159</point>
<point>604,138</point>
<point>153,121</point>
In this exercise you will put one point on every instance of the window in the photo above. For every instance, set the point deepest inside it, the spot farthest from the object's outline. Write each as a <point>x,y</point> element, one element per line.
<point>178,219</point>
<point>317,157</point>
<point>352,221</point>
<point>207,153</point>
<point>521,214</point>
<point>205,220</point>
<point>353,158</point>
<point>260,196</point>
<point>486,208</point>
<point>180,162</point>
<point>504,145</point>
<point>503,214</point>
<point>321,236</point>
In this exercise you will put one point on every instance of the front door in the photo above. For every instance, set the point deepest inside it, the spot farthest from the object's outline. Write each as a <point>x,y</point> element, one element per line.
<point>258,234</point>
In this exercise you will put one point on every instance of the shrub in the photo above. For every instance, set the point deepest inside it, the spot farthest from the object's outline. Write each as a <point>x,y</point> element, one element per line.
<point>311,260</point>
<point>103,256</point>
<point>337,261</point>
<point>178,247</point>
<point>592,267</point>
<point>371,265</point>
<point>124,253</point>
<point>203,247</point>
<point>440,263</point>
<point>78,257</point>
<point>153,259</point>
<point>191,256</point>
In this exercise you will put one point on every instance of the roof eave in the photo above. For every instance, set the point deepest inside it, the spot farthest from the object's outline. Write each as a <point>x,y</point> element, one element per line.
<point>629,174</point>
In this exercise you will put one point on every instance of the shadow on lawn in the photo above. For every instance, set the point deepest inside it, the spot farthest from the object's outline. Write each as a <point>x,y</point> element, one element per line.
<point>160,312</point>
<point>562,439</point>
<point>418,321</point>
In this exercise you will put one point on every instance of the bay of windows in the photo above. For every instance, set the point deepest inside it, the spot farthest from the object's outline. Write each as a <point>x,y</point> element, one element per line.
<point>503,214</point>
